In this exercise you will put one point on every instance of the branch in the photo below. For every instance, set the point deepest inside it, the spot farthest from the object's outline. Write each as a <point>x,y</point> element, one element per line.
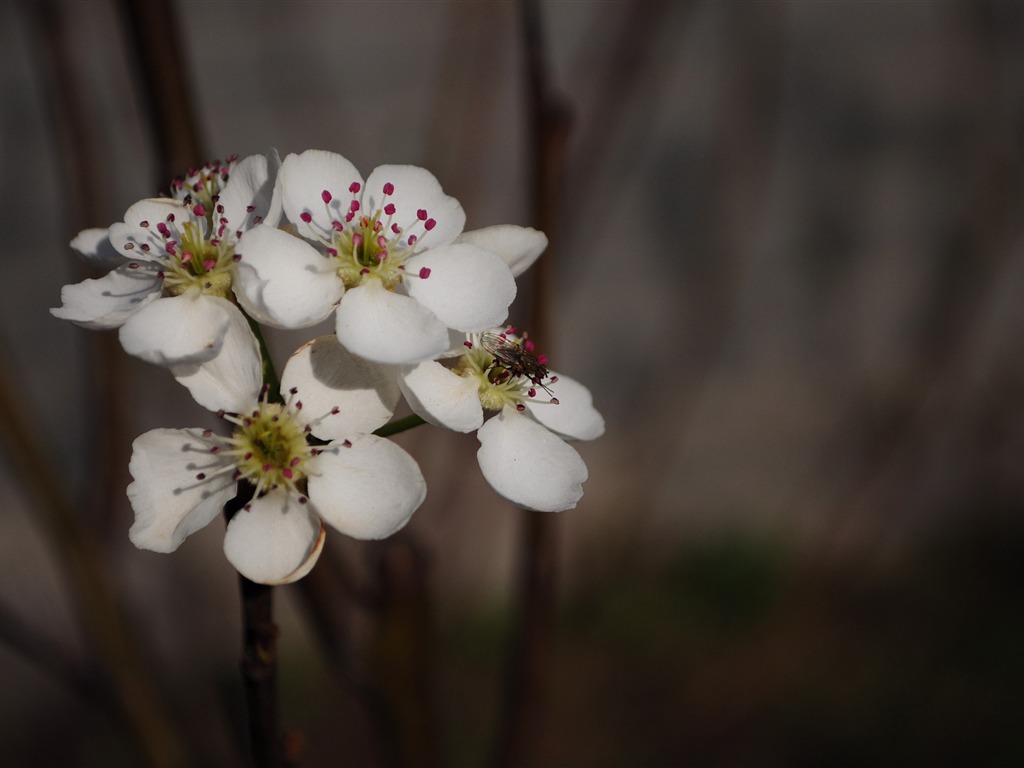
<point>530,655</point>
<point>152,28</point>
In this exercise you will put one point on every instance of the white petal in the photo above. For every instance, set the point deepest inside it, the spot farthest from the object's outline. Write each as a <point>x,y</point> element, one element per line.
<point>368,490</point>
<point>177,330</point>
<point>275,212</point>
<point>232,380</point>
<point>274,539</point>
<point>324,374</point>
<point>442,397</point>
<point>468,288</point>
<point>170,502</point>
<point>416,189</point>
<point>456,344</point>
<point>388,327</point>
<point>139,227</point>
<point>528,465</point>
<point>250,184</point>
<point>282,280</point>
<point>108,301</point>
<point>575,417</point>
<point>95,247</point>
<point>302,181</point>
<point>518,247</point>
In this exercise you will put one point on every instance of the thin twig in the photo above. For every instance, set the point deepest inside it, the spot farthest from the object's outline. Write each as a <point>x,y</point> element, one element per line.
<point>394,687</point>
<point>328,595</point>
<point>54,659</point>
<point>152,28</point>
<point>400,425</point>
<point>131,684</point>
<point>400,652</point>
<point>77,552</point>
<point>529,660</point>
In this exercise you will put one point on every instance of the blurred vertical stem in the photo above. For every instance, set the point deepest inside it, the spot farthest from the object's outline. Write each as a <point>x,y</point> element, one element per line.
<point>328,594</point>
<point>80,167</point>
<point>394,687</point>
<point>152,28</point>
<point>399,655</point>
<point>131,685</point>
<point>529,659</point>
<point>93,596</point>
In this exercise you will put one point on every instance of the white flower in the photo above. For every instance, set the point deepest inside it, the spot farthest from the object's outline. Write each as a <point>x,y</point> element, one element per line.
<point>523,453</point>
<point>389,253</point>
<point>364,486</point>
<point>173,260</point>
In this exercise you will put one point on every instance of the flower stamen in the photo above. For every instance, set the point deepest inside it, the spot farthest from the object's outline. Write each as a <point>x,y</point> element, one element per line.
<point>508,371</point>
<point>368,244</point>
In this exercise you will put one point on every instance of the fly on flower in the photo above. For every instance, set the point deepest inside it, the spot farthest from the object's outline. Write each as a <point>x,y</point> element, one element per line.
<point>525,452</point>
<point>517,358</point>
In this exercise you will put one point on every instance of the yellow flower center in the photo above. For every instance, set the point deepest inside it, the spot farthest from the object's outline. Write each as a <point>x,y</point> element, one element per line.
<point>270,448</point>
<point>506,370</point>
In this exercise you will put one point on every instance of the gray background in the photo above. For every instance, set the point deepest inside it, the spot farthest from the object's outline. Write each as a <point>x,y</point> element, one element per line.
<point>790,271</point>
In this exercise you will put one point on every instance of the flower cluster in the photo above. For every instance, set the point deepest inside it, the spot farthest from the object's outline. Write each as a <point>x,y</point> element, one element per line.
<point>418,307</point>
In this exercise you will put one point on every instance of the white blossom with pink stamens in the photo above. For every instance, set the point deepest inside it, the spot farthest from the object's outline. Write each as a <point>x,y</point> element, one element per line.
<point>170,290</point>
<point>524,453</point>
<point>388,252</point>
<point>365,486</point>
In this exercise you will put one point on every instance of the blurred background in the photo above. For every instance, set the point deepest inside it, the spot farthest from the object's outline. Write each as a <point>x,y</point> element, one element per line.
<point>788,261</point>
